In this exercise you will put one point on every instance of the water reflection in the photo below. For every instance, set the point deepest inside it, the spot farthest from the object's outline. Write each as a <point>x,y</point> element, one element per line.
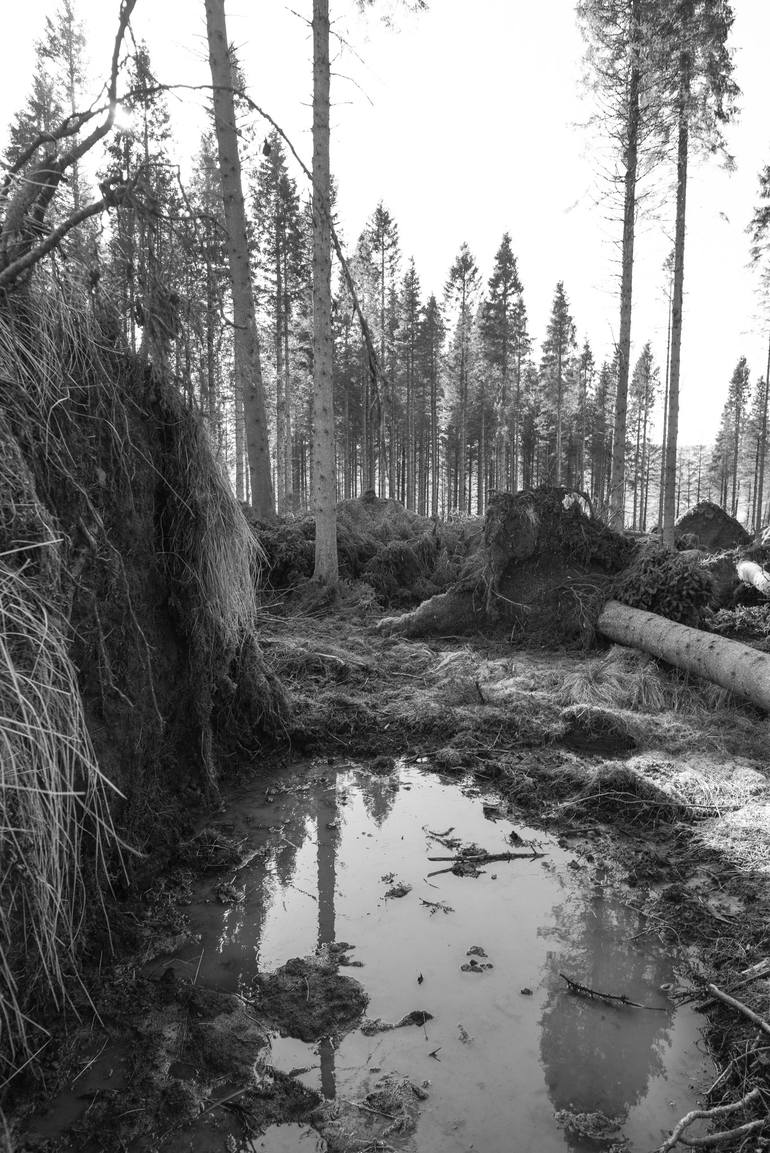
<point>329,846</point>
<point>597,1056</point>
<point>327,837</point>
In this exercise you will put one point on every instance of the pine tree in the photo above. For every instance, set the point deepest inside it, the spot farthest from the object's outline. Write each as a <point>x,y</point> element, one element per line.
<point>505,342</point>
<point>430,344</point>
<point>324,468</point>
<point>247,350</point>
<point>703,98</point>
<point>280,253</point>
<point>625,68</point>
<point>558,346</point>
<point>407,337</point>
<point>645,384</point>
<point>460,296</point>
<point>382,248</point>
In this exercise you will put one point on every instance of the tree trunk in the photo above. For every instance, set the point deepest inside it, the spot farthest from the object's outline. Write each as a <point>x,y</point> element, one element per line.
<point>618,482</point>
<point>672,424</point>
<point>736,667</point>
<point>754,575</point>
<point>762,450</point>
<point>247,359</point>
<point>324,487</point>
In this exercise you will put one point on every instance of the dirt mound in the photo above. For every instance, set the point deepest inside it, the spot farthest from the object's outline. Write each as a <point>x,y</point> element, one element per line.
<point>309,999</point>
<point>714,529</point>
<point>541,574</point>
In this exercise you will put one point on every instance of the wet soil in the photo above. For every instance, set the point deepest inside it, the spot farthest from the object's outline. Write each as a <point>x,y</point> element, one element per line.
<point>331,983</point>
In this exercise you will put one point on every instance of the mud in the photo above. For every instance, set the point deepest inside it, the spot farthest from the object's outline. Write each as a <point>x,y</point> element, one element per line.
<point>374,953</point>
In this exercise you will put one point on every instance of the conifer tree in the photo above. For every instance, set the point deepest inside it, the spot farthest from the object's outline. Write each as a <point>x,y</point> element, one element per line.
<point>625,68</point>
<point>280,253</point>
<point>460,296</point>
<point>503,329</point>
<point>431,339</point>
<point>247,351</point>
<point>558,346</point>
<point>703,97</point>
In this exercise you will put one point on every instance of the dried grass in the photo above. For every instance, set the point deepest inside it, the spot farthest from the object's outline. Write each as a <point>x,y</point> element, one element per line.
<point>71,405</point>
<point>53,799</point>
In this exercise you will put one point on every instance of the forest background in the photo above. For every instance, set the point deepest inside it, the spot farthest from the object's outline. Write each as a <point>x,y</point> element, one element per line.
<point>474,132</point>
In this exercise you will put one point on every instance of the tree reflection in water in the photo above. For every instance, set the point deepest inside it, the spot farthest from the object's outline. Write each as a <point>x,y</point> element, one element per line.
<point>597,1056</point>
<point>326,839</point>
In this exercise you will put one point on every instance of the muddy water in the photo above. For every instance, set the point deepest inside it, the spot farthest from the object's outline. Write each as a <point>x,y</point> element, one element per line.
<point>508,1046</point>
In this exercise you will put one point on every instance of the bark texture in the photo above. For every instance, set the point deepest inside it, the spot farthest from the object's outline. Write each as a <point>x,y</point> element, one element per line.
<point>736,667</point>
<point>672,420</point>
<point>247,355</point>
<point>324,486</point>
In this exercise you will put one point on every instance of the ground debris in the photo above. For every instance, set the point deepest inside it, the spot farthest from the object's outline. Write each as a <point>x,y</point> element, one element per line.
<point>370,1026</point>
<point>593,1126</point>
<point>390,1109</point>
<point>400,889</point>
<point>436,906</point>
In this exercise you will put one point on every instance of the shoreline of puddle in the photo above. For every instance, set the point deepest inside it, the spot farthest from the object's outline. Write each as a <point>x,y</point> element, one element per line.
<point>508,1049</point>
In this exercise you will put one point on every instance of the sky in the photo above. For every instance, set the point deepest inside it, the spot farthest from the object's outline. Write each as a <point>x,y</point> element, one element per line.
<point>468,121</point>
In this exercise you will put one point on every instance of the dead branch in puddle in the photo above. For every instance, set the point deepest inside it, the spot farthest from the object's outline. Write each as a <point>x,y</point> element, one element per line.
<point>484,858</point>
<point>617,999</point>
<point>712,1139</point>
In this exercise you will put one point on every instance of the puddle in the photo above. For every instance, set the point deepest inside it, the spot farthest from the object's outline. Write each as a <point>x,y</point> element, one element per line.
<point>507,1046</point>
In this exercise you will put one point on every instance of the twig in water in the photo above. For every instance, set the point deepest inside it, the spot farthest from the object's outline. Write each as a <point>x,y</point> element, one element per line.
<point>483,858</point>
<point>621,999</point>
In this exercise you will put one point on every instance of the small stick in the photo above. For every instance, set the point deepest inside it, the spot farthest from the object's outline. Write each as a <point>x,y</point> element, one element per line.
<point>622,999</point>
<point>717,1111</point>
<point>197,971</point>
<point>741,1008</point>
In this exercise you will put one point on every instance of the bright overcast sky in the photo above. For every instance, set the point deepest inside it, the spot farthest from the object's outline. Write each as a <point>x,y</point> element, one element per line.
<point>465,120</point>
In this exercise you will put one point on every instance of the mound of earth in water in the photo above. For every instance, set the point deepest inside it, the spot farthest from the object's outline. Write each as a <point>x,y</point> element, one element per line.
<point>309,999</point>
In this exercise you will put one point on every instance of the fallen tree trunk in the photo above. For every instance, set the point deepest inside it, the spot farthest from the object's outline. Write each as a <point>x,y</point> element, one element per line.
<point>734,666</point>
<point>754,575</point>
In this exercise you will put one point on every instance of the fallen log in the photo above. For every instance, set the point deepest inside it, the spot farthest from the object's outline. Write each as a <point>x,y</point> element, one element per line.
<point>736,667</point>
<point>753,574</point>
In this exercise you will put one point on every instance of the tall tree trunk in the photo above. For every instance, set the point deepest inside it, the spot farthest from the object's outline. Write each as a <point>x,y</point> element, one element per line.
<point>287,452</point>
<point>247,359</point>
<point>324,486</point>
<point>280,395</point>
<point>631,158</point>
<point>664,440</point>
<point>559,400</point>
<point>762,450</point>
<point>672,424</point>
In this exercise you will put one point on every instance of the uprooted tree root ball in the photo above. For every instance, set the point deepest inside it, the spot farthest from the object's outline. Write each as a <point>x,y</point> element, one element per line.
<point>127,629</point>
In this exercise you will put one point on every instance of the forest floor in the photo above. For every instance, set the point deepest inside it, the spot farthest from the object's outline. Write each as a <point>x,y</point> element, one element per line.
<point>624,762</point>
